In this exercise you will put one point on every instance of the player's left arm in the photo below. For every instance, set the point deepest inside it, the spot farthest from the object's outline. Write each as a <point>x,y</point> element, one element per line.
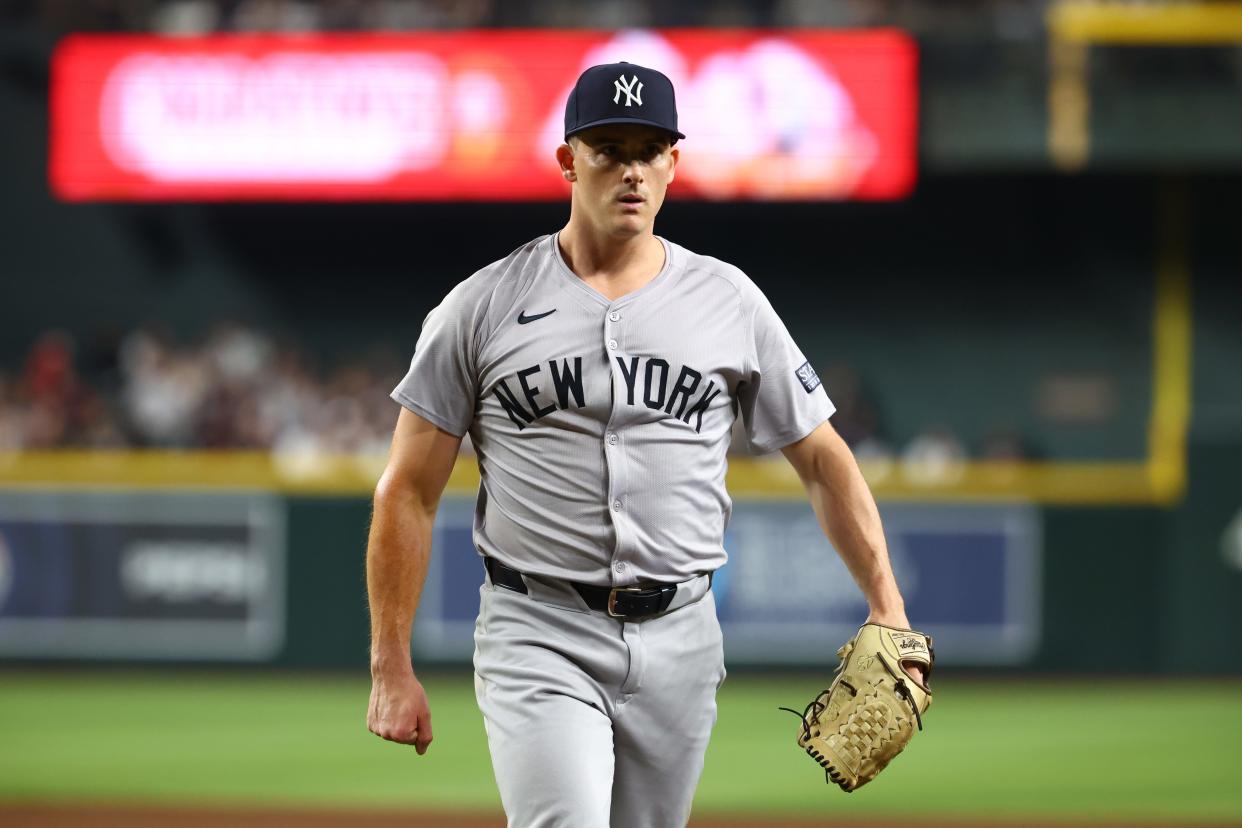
<point>849,517</point>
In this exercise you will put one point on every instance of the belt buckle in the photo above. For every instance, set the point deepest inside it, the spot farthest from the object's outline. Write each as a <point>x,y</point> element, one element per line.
<point>612,599</point>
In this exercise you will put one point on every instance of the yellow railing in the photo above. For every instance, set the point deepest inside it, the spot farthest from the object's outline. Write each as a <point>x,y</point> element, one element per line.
<point>1074,26</point>
<point>1172,341</point>
<point>354,475</point>
<point>1151,24</point>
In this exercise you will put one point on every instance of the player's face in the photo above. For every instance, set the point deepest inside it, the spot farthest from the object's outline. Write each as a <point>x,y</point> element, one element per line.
<point>620,174</point>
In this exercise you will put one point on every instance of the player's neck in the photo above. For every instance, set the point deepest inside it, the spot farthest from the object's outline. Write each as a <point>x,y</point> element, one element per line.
<point>612,266</point>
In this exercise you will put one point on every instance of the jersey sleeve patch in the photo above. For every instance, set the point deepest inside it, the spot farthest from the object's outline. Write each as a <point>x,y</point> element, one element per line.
<point>808,377</point>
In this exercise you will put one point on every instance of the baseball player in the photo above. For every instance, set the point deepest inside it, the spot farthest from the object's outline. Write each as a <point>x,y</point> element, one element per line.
<point>599,371</point>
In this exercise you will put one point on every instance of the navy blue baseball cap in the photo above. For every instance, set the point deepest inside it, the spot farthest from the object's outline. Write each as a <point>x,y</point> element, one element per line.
<point>621,93</point>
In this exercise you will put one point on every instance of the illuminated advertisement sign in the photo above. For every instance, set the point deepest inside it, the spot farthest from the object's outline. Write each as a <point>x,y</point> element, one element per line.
<point>141,575</point>
<point>970,574</point>
<point>802,114</point>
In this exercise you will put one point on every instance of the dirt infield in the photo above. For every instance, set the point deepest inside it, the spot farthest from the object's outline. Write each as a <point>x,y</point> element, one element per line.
<point>114,816</point>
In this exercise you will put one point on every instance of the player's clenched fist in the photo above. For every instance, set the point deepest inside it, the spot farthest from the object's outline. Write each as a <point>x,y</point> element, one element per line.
<point>398,711</point>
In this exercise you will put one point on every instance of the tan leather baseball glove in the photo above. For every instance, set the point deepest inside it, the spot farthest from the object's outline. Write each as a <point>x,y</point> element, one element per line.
<point>869,713</point>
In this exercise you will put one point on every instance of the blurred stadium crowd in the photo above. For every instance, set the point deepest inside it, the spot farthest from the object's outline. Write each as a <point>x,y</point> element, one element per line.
<point>242,389</point>
<point>236,389</point>
<point>1004,18</point>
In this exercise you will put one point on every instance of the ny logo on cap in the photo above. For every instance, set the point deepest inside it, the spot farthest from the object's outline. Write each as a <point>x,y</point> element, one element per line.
<point>633,90</point>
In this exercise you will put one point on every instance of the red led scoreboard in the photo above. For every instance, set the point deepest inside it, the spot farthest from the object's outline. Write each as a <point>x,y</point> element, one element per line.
<point>799,114</point>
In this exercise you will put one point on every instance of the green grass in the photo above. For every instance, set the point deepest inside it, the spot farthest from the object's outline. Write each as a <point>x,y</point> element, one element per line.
<point>1122,750</point>
<point>1155,749</point>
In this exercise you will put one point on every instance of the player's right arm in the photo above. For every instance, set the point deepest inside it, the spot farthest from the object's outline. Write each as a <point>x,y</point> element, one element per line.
<point>398,551</point>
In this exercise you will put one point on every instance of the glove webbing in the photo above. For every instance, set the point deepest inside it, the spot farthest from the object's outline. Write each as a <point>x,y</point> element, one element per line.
<point>902,690</point>
<point>816,707</point>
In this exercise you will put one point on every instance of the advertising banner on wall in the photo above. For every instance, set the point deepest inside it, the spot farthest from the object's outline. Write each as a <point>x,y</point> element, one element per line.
<point>970,574</point>
<point>798,114</point>
<point>99,575</point>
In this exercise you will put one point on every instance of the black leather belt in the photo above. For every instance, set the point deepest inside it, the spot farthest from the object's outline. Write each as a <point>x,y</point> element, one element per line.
<point>620,602</point>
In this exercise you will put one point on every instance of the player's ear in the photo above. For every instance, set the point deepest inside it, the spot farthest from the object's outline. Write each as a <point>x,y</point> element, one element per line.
<point>673,155</point>
<point>565,159</point>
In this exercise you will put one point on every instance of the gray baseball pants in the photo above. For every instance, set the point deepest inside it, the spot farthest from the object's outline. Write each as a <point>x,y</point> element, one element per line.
<point>594,722</point>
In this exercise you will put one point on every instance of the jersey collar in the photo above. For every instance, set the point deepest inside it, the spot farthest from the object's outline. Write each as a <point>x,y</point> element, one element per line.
<point>563,268</point>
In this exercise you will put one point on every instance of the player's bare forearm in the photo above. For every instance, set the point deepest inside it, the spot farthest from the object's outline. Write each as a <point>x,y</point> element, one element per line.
<point>398,553</point>
<point>399,545</point>
<point>848,515</point>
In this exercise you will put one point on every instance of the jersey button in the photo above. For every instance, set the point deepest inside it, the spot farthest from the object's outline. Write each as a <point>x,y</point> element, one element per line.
<point>612,343</point>
<point>614,316</point>
<point>612,439</point>
<point>619,566</point>
<point>616,505</point>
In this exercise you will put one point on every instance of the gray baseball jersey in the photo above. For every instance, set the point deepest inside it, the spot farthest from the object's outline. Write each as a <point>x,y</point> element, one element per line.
<point>601,426</point>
